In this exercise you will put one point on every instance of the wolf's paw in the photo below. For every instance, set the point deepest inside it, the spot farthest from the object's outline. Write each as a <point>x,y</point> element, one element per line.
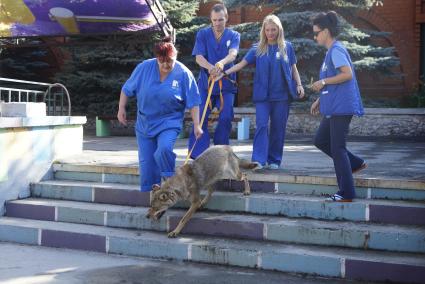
<point>246,193</point>
<point>172,234</point>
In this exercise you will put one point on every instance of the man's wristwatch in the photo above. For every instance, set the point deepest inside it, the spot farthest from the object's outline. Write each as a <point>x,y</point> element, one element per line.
<point>323,82</point>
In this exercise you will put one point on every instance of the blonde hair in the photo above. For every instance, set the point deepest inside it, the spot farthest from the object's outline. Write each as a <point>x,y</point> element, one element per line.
<point>263,45</point>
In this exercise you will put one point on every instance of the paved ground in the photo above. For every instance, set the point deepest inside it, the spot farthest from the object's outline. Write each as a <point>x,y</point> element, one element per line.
<point>389,159</point>
<point>21,264</point>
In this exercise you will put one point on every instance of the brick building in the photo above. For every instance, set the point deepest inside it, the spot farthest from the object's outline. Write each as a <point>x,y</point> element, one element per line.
<point>404,19</point>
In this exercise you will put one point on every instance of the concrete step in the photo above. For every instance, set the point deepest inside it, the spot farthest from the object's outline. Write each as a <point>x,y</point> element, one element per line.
<point>322,261</point>
<point>303,231</point>
<point>265,181</point>
<point>368,210</point>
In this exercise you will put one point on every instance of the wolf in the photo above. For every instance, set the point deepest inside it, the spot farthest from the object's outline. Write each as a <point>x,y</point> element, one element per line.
<point>216,163</point>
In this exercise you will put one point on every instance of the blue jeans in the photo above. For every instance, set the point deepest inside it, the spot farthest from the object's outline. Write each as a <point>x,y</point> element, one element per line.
<point>331,139</point>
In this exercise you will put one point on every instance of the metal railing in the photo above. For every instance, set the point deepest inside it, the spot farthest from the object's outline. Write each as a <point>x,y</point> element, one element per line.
<point>51,94</point>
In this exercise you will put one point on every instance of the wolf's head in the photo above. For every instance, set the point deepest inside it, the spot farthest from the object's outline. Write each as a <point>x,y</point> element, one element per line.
<point>170,191</point>
<point>162,198</point>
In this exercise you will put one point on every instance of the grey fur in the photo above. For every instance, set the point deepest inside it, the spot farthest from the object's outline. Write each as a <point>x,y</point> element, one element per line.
<point>216,163</point>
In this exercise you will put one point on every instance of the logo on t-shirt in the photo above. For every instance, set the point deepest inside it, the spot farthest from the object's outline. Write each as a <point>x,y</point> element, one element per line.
<point>324,67</point>
<point>175,84</point>
<point>277,55</point>
<point>228,43</point>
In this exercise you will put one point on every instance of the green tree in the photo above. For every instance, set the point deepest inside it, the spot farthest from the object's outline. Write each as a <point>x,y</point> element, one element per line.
<point>25,63</point>
<point>96,70</point>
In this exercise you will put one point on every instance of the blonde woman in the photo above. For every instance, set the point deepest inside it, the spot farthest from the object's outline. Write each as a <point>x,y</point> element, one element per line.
<point>276,83</point>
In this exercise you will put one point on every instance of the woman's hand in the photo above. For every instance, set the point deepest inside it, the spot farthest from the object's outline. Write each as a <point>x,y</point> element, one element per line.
<point>315,107</point>
<point>122,116</point>
<point>197,130</point>
<point>317,86</point>
<point>300,91</point>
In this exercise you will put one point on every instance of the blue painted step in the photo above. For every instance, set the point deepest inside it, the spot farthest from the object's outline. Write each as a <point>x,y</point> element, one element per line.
<point>303,231</point>
<point>322,261</point>
<point>264,182</point>
<point>368,210</point>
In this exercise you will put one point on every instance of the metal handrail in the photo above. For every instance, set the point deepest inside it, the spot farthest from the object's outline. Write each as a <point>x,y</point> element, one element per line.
<point>66,92</point>
<point>46,94</point>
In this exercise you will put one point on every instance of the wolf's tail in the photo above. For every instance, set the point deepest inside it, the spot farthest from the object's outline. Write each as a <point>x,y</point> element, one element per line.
<point>244,164</point>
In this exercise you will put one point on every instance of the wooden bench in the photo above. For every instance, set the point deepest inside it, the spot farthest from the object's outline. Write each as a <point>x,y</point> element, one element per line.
<point>103,123</point>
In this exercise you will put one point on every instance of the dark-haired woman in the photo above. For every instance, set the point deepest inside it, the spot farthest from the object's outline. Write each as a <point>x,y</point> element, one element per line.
<point>339,100</point>
<point>164,88</point>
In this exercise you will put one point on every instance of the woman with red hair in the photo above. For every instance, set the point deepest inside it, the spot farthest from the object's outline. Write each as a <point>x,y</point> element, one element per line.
<point>164,88</point>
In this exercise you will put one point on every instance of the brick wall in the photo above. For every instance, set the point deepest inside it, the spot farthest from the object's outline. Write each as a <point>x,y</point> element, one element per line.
<point>399,18</point>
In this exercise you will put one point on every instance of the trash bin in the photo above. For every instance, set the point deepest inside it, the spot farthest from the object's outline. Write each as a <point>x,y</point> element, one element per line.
<point>243,129</point>
<point>103,127</point>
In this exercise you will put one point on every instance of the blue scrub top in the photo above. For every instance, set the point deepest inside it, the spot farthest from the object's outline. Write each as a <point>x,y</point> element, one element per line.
<point>343,98</point>
<point>213,51</point>
<point>161,105</point>
<point>273,80</point>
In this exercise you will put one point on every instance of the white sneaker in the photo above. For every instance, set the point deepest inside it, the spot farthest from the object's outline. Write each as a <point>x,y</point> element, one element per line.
<point>274,167</point>
<point>259,167</point>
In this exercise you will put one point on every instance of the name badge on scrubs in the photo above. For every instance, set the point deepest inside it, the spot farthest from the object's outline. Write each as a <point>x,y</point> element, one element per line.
<point>228,43</point>
<point>325,92</point>
<point>285,57</point>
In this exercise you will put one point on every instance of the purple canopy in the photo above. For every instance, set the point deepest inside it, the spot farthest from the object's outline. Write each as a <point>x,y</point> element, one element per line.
<point>23,18</point>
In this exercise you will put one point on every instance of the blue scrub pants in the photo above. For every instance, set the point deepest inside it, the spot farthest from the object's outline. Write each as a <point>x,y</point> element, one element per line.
<point>331,139</point>
<point>224,124</point>
<point>156,157</point>
<point>268,145</point>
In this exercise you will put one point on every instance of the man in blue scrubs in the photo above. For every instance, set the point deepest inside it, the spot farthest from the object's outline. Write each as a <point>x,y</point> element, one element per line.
<point>215,49</point>
<point>164,88</point>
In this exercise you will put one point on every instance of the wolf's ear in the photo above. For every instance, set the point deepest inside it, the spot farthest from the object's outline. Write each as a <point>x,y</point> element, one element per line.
<point>155,187</point>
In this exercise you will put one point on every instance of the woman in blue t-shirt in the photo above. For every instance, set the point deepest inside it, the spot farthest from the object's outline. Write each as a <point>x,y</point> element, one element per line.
<point>164,88</point>
<point>339,100</point>
<point>276,84</point>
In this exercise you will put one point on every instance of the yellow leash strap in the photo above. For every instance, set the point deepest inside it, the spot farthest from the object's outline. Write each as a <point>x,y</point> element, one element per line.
<point>216,113</point>
<point>210,88</point>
